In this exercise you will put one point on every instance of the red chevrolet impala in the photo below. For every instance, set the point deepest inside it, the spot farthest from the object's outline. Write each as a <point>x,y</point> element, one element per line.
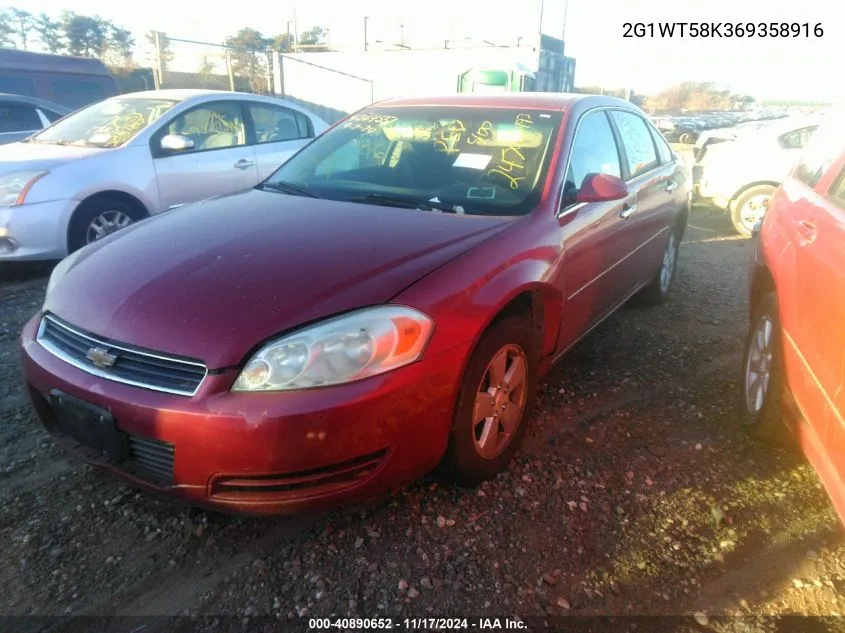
<point>383,304</point>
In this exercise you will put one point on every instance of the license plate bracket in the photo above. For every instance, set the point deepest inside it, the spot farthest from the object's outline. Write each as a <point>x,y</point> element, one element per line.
<point>90,425</point>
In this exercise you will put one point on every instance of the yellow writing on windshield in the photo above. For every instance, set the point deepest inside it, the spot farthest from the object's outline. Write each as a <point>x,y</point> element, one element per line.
<point>510,164</point>
<point>369,123</point>
<point>450,137</point>
<point>483,133</point>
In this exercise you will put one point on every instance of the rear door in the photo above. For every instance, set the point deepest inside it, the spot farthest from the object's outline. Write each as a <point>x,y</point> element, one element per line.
<point>277,133</point>
<point>17,121</point>
<point>220,162</point>
<point>653,183</point>
<point>821,278</point>
<point>589,232</point>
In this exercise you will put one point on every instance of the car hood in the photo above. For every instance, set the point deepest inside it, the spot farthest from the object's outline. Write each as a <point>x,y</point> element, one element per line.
<point>212,280</point>
<point>25,156</point>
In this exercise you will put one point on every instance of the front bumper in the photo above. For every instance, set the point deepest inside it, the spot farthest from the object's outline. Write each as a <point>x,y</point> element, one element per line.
<point>35,231</point>
<point>265,453</point>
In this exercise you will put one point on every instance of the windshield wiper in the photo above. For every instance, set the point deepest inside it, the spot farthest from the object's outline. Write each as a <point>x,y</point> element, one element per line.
<point>287,187</point>
<point>409,203</point>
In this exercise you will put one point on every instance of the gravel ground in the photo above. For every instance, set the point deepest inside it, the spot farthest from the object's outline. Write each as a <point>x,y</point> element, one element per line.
<point>635,493</point>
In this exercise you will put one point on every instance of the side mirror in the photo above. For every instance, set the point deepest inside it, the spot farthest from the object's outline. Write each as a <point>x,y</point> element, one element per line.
<point>602,188</point>
<point>176,143</point>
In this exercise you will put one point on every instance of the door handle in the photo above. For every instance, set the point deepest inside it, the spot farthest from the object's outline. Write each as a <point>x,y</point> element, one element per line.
<point>807,230</point>
<point>671,186</point>
<point>628,210</point>
<point>243,164</point>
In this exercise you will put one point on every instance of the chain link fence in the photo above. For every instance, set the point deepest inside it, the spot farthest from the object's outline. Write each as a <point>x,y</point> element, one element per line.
<point>329,93</point>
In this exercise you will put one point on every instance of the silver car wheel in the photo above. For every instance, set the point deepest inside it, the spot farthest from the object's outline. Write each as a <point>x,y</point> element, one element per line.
<point>667,270</point>
<point>105,224</point>
<point>758,365</point>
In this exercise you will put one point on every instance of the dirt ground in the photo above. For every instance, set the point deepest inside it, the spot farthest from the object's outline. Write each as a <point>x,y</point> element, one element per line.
<point>635,493</point>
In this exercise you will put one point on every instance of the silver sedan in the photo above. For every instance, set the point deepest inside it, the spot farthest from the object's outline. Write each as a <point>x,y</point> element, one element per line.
<point>132,156</point>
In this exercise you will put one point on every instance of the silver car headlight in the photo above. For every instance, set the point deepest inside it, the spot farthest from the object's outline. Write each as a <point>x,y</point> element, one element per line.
<point>14,187</point>
<point>340,350</point>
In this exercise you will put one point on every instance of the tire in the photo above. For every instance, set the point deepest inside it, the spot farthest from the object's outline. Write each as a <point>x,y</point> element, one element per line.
<point>763,419</point>
<point>465,462</point>
<point>658,288</point>
<point>685,138</point>
<point>753,196</point>
<point>81,230</point>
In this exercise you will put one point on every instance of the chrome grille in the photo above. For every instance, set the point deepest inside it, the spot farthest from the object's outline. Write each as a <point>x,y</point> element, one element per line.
<point>131,366</point>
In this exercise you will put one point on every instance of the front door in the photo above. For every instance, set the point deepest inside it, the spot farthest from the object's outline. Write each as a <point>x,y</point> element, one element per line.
<point>220,161</point>
<point>592,282</point>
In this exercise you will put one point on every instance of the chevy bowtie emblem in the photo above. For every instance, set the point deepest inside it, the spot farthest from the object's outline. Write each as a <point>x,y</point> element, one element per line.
<point>101,357</point>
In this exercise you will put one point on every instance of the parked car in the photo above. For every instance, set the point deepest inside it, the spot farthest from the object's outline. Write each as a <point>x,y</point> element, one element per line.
<point>129,157</point>
<point>385,302</point>
<point>793,370</point>
<point>73,82</point>
<point>740,175</point>
<point>720,135</point>
<point>22,116</point>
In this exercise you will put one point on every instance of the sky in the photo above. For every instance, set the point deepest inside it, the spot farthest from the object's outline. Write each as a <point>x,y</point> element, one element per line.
<point>793,68</point>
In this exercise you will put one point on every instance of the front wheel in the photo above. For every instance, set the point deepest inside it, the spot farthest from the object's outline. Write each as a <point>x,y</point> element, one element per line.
<point>99,217</point>
<point>497,392</point>
<point>750,207</point>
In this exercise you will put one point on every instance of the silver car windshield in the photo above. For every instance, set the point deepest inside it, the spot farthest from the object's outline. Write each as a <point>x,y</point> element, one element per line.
<point>109,123</point>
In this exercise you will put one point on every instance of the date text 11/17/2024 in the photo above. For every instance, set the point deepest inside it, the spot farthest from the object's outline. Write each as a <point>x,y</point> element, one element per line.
<point>420,624</point>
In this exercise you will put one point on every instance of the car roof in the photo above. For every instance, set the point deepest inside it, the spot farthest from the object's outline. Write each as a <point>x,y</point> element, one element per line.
<point>179,94</point>
<point>531,100</point>
<point>34,101</point>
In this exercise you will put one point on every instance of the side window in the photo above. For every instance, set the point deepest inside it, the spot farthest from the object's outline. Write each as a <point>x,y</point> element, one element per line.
<point>75,93</point>
<point>17,118</point>
<point>664,151</point>
<point>639,146</point>
<point>274,124</point>
<point>796,139</point>
<point>594,151</point>
<point>837,190</point>
<point>212,126</point>
<point>819,154</point>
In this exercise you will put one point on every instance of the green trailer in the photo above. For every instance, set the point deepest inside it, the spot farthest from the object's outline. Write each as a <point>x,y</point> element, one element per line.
<point>492,81</point>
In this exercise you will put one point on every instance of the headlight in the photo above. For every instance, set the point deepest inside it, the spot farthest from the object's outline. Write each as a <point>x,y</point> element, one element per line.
<point>14,187</point>
<point>343,349</point>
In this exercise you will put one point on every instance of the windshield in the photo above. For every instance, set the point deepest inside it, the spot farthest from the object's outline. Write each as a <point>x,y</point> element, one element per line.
<point>489,161</point>
<point>109,123</point>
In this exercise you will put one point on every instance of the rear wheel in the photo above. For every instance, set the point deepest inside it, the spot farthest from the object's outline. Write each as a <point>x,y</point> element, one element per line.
<point>497,392</point>
<point>750,207</point>
<point>657,290</point>
<point>761,385</point>
<point>99,217</point>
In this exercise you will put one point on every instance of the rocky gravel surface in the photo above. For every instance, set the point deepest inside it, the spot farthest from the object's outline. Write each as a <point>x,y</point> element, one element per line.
<point>635,494</point>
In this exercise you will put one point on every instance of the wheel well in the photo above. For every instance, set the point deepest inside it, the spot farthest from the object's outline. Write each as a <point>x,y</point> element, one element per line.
<point>528,304</point>
<point>109,195</point>
<point>759,183</point>
<point>762,284</point>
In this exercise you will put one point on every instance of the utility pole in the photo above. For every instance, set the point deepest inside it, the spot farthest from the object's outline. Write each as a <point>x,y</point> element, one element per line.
<point>540,28</point>
<point>402,35</point>
<point>157,78</point>
<point>366,43</point>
